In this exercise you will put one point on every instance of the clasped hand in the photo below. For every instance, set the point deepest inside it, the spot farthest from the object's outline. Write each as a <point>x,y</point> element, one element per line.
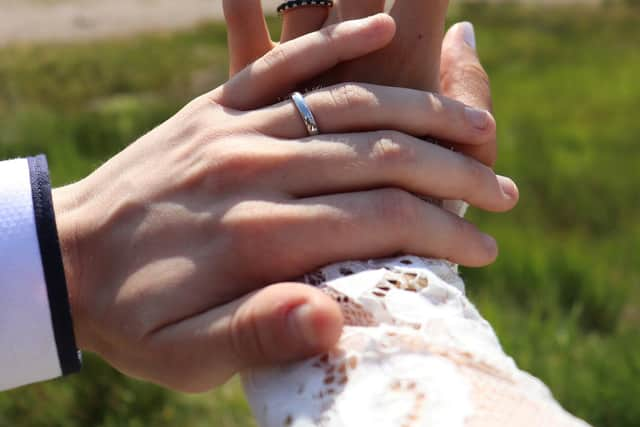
<point>168,246</point>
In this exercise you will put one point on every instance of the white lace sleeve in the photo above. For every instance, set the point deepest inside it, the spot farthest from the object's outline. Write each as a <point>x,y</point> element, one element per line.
<point>414,352</point>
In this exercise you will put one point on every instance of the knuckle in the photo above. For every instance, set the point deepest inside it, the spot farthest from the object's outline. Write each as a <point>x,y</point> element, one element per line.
<point>350,96</point>
<point>458,242</point>
<point>245,337</point>
<point>240,231</point>
<point>397,207</point>
<point>244,163</point>
<point>231,167</point>
<point>434,103</point>
<point>471,75</point>
<point>329,38</point>
<point>250,229</point>
<point>385,147</point>
<point>276,57</point>
<point>476,175</point>
<point>491,137</point>
<point>239,162</point>
<point>458,237</point>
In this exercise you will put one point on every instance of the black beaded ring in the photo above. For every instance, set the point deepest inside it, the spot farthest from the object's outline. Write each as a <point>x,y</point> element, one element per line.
<point>292,4</point>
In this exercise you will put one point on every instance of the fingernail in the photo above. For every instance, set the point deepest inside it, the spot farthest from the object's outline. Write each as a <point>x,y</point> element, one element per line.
<point>468,34</point>
<point>301,324</point>
<point>478,118</point>
<point>508,187</point>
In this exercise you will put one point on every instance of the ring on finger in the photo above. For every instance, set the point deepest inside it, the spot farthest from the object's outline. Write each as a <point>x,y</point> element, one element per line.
<point>293,4</point>
<point>305,113</point>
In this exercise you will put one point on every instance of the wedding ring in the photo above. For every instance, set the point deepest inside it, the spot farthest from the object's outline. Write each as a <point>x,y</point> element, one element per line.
<point>292,4</point>
<point>305,113</point>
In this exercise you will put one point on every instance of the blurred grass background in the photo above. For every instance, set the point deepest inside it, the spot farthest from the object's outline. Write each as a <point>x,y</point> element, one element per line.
<point>564,296</point>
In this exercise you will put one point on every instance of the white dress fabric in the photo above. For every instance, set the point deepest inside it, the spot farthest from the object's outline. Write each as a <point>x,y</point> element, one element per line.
<point>414,353</point>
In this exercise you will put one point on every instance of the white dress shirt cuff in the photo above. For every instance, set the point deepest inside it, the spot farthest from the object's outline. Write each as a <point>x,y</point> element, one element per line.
<point>36,331</point>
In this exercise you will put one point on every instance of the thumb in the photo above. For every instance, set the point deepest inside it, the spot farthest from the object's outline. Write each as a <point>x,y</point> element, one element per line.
<point>463,78</point>
<point>247,33</point>
<point>280,323</point>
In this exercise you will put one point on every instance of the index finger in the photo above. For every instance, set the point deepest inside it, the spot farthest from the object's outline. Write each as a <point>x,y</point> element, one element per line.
<point>290,64</point>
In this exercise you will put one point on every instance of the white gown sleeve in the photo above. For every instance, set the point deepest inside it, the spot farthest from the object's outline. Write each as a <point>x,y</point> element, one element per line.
<point>414,353</point>
<point>36,331</point>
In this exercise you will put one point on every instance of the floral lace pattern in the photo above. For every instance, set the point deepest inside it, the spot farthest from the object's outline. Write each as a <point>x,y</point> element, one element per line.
<point>414,353</point>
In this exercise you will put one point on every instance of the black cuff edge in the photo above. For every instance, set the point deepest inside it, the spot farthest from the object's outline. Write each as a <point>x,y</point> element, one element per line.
<point>53,266</point>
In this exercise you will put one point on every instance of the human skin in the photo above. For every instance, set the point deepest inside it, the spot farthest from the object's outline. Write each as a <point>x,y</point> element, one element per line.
<point>168,247</point>
<point>411,60</point>
<point>319,394</point>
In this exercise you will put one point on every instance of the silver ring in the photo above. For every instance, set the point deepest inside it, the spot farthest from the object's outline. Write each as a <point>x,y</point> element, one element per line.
<point>305,113</point>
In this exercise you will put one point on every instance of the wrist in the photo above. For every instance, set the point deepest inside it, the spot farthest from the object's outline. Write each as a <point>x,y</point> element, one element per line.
<point>66,206</point>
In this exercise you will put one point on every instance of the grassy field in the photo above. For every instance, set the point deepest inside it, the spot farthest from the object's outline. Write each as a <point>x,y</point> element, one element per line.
<point>565,293</point>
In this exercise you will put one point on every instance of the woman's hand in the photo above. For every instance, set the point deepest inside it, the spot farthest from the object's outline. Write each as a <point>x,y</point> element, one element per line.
<point>162,244</point>
<point>410,60</point>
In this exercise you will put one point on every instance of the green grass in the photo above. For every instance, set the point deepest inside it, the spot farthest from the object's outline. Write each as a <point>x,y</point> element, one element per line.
<point>565,294</point>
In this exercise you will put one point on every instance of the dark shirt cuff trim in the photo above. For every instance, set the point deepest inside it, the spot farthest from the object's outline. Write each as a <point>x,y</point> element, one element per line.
<point>52,265</point>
